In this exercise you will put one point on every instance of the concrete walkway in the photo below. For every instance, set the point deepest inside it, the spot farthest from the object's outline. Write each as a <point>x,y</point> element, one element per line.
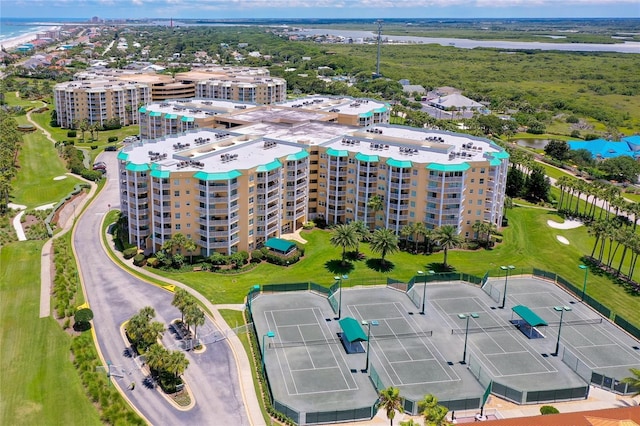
<point>66,219</point>
<point>17,225</point>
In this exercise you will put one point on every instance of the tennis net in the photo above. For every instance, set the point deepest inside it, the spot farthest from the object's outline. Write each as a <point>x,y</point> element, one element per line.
<point>332,341</point>
<point>515,326</point>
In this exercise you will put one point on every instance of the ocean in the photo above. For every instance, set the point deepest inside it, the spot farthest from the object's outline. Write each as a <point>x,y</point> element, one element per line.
<point>15,27</point>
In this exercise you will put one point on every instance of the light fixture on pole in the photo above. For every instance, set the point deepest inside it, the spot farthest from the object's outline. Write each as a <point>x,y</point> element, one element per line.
<point>560,309</point>
<point>584,284</point>
<point>339,279</point>
<point>269,334</point>
<point>466,332</point>
<point>506,278</point>
<point>368,324</point>
<point>424,289</point>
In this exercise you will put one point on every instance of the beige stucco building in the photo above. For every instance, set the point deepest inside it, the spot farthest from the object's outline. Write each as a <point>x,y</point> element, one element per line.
<point>232,189</point>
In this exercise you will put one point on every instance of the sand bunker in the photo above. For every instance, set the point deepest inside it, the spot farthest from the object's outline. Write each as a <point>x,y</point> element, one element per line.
<point>562,239</point>
<point>45,207</point>
<point>568,224</point>
<point>59,177</point>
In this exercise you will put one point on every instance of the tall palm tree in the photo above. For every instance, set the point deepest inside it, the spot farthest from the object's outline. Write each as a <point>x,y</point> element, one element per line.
<point>344,236</point>
<point>362,231</point>
<point>383,242</point>
<point>434,413</point>
<point>177,362</point>
<point>633,381</point>
<point>447,237</point>
<point>405,232</point>
<point>391,401</point>
<point>190,246</point>
<point>419,230</point>
<point>194,316</point>
<point>156,357</point>
<point>562,184</point>
<point>478,228</point>
<point>181,300</point>
<point>376,204</point>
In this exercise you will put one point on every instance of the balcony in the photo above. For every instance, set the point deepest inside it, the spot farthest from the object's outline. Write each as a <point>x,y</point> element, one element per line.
<point>268,210</point>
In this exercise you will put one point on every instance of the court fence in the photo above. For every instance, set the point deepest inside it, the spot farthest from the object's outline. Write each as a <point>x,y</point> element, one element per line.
<point>525,396</point>
<point>600,380</point>
<point>302,417</point>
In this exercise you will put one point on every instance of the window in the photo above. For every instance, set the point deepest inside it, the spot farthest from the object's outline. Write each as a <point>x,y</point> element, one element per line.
<point>189,226</point>
<point>479,202</point>
<point>251,221</point>
<point>412,204</point>
<point>176,204</point>
<point>250,200</point>
<point>352,161</point>
<point>473,180</point>
<point>188,214</point>
<point>176,181</point>
<point>412,214</point>
<point>176,193</point>
<point>187,181</point>
<point>188,203</point>
<point>177,215</point>
<point>177,226</point>
<point>469,222</point>
<point>414,172</point>
<point>481,181</point>
<point>471,191</point>
<point>482,170</point>
<point>251,177</point>
<point>251,210</point>
<point>413,193</point>
<point>466,234</point>
<point>251,189</point>
<point>480,191</point>
<point>478,212</point>
<point>250,231</point>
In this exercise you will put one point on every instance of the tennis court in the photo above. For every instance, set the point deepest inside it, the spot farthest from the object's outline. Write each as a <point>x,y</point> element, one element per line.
<point>309,367</point>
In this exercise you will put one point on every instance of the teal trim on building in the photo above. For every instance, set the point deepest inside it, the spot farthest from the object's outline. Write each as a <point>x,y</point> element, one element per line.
<point>142,110</point>
<point>500,154</point>
<point>138,167</point>
<point>217,176</point>
<point>380,110</point>
<point>367,158</point>
<point>171,116</point>
<point>155,114</point>
<point>337,153</point>
<point>270,166</point>
<point>392,162</point>
<point>123,156</point>
<point>188,119</point>
<point>297,156</point>
<point>162,174</point>
<point>460,167</point>
<point>366,114</point>
<point>494,162</point>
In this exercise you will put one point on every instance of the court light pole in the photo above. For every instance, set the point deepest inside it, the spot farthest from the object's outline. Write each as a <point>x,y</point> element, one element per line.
<point>466,332</point>
<point>269,334</point>
<point>368,324</point>
<point>560,309</point>
<point>424,289</point>
<point>339,278</point>
<point>584,284</point>
<point>506,278</point>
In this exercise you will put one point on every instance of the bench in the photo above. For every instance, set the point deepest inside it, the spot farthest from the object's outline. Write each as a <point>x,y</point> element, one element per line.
<point>197,268</point>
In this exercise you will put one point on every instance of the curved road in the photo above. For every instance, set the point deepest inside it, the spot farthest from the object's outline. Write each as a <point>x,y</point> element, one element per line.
<point>114,296</point>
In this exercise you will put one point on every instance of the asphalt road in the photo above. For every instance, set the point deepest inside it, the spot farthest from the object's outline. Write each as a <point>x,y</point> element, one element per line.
<point>115,296</point>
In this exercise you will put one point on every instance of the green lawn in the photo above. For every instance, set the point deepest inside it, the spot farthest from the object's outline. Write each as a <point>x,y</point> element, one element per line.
<point>632,197</point>
<point>38,165</point>
<point>39,384</point>
<point>525,247</point>
<point>11,99</point>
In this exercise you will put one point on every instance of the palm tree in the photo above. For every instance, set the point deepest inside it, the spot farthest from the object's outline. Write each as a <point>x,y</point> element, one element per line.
<point>478,228</point>
<point>181,300</point>
<point>419,230</point>
<point>447,237</point>
<point>434,413</point>
<point>177,362</point>
<point>391,401</point>
<point>344,236</point>
<point>194,317</point>
<point>383,242</point>
<point>156,357</point>
<point>405,232</point>
<point>190,246</point>
<point>562,184</point>
<point>633,381</point>
<point>376,204</point>
<point>361,231</point>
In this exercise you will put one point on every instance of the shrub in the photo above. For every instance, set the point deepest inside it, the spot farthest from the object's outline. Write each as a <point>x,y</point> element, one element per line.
<point>112,139</point>
<point>153,262</point>
<point>139,259</point>
<point>71,134</point>
<point>83,315</point>
<point>92,175</point>
<point>94,146</point>
<point>548,409</point>
<point>130,252</point>
<point>308,225</point>
<point>257,256</point>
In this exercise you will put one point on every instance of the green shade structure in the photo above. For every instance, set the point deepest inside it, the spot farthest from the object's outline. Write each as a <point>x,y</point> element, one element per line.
<point>352,330</point>
<point>529,316</point>
<point>280,245</point>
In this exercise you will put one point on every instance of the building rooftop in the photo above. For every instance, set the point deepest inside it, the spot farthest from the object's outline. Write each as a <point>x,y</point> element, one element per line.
<point>196,108</point>
<point>341,105</point>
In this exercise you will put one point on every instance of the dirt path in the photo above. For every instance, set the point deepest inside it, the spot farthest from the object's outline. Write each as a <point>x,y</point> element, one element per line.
<point>44,132</point>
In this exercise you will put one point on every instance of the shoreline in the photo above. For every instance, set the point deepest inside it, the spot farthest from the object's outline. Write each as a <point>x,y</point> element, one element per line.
<point>11,43</point>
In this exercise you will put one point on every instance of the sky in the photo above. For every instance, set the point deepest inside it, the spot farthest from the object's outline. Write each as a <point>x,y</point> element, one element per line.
<point>219,9</point>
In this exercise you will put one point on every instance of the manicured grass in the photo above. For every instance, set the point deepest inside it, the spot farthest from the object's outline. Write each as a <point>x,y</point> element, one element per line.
<point>632,197</point>
<point>38,165</point>
<point>39,384</point>
<point>554,172</point>
<point>11,99</point>
<point>529,242</point>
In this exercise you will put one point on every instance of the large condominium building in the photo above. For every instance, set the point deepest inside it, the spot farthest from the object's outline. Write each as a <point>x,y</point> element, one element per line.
<point>98,101</point>
<point>231,190</point>
<point>250,85</point>
<point>350,111</point>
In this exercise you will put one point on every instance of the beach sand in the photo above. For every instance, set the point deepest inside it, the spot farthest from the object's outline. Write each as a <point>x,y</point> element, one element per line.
<point>12,43</point>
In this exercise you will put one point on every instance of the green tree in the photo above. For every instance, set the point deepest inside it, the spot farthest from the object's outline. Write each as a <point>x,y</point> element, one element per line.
<point>434,414</point>
<point>420,231</point>
<point>190,246</point>
<point>194,316</point>
<point>156,357</point>
<point>344,236</point>
<point>557,149</point>
<point>405,232</point>
<point>177,363</point>
<point>375,204</point>
<point>447,237</point>
<point>538,185</point>
<point>622,168</point>
<point>391,401</point>
<point>182,299</point>
<point>361,231</point>
<point>515,182</point>
<point>383,242</point>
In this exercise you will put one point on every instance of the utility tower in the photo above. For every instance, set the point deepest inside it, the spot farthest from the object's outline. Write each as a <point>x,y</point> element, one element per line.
<point>379,22</point>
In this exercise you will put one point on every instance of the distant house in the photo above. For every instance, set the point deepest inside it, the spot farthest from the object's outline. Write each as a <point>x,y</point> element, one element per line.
<point>601,149</point>
<point>414,88</point>
<point>455,101</point>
